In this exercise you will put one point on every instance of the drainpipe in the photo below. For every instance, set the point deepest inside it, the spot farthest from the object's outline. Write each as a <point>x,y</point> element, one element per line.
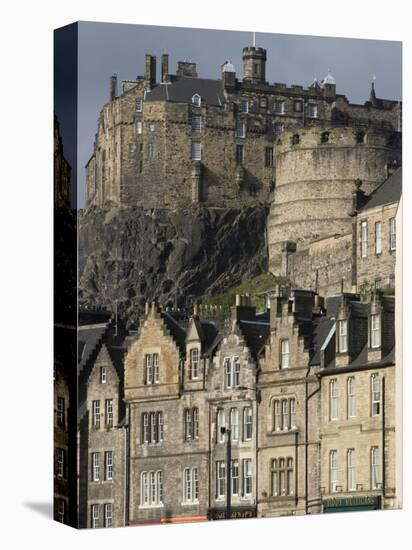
<point>126,469</point>
<point>307,397</point>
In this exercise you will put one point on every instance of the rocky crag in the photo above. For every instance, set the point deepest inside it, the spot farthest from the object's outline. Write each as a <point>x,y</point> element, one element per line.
<point>130,255</point>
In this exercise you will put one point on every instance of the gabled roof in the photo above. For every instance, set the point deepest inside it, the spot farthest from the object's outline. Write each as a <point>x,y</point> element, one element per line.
<point>389,191</point>
<point>183,88</point>
<point>256,334</point>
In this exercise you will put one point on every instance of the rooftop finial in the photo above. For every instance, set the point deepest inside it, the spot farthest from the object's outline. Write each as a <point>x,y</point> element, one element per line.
<point>372,97</point>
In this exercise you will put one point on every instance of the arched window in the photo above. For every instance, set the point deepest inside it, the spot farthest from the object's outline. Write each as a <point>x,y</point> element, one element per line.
<point>295,139</point>
<point>360,137</point>
<point>324,138</point>
<point>197,100</point>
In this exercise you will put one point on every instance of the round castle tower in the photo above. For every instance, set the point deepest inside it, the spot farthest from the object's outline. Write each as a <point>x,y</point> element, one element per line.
<point>316,170</point>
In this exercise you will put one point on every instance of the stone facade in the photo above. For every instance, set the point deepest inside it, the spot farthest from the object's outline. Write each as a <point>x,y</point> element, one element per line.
<point>188,139</point>
<point>358,409</point>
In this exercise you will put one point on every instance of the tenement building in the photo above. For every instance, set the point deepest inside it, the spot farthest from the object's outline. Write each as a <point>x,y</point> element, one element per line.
<point>163,143</point>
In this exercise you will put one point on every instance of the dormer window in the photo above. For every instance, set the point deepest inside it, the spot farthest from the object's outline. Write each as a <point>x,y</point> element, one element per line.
<point>151,369</point>
<point>197,100</point>
<point>194,364</point>
<point>103,375</point>
<point>375,330</point>
<point>284,354</point>
<point>343,336</point>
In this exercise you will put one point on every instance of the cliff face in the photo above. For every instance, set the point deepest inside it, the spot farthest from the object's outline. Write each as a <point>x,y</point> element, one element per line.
<point>131,256</point>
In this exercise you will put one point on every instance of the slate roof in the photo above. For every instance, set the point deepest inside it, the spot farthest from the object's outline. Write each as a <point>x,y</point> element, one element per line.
<point>176,330</point>
<point>322,328</point>
<point>182,89</point>
<point>389,191</point>
<point>89,337</point>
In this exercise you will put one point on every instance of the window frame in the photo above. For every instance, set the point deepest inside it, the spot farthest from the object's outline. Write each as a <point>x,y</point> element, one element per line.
<point>351,469</point>
<point>244,106</point>
<point>247,472</point>
<point>60,462</point>
<point>376,468</point>
<point>96,414</point>
<point>196,123</point>
<point>247,423</point>
<point>392,234</point>
<point>95,467</point>
<point>220,479</point>
<point>240,129</point>
<point>95,517</point>
<point>378,238</point>
<point>364,239</point>
<point>343,336</point>
<point>109,417</point>
<point>194,363</point>
<point>103,375</point>
<point>284,353</point>
<point>108,465</point>
<point>60,411</point>
<point>197,100</point>
<point>281,110</point>
<point>234,425</point>
<point>375,330</point>
<point>376,396</point>
<point>333,471</point>
<point>196,150</point>
<point>139,105</point>
<point>108,518</point>
<point>351,396</point>
<point>333,399</point>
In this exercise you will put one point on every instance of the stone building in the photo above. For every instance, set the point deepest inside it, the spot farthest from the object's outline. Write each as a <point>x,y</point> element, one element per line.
<point>289,406</point>
<point>102,432</point>
<point>358,406</point>
<point>61,487</point>
<point>360,256</point>
<point>182,139</point>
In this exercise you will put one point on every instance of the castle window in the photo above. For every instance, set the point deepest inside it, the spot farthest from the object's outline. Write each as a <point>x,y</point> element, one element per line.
<point>297,106</point>
<point>103,375</point>
<point>191,424</point>
<point>139,105</point>
<point>333,471</point>
<point>375,330</point>
<point>311,110</point>
<point>277,129</point>
<point>239,154</point>
<point>95,516</point>
<point>324,138</point>
<point>60,413</point>
<point>364,239</point>
<point>284,414</point>
<point>240,129</point>
<point>376,471</point>
<point>196,151</point>
<point>295,139</point>
<point>234,424</point>
<point>351,472</point>
<point>279,107</point>
<point>151,368</point>
<point>392,234</point>
<point>378,237</point>
<point>268,156</point>
<point>247,423</point>
<point>139,127</point>
<point>152,126</point>
<point>197,100</point>
<point>375,395</point>
<point>108,514</point>
<point>109,412</point>
<point>191,485</point>
<point>343,336</point>
<point>360,137</point>
<point>194,364</point>
<point>108,459</point>
<point>196,123</point>
<point>351,392</point>
<point>333,399</point>
<point>247,477</point>
<point>132,147</point>
<point>96,414</point>
<point>244,106</point>
<point>151,151</point>
<point>284,354</point>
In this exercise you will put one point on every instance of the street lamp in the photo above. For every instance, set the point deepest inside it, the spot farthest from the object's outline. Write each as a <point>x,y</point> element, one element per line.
<point>228,431</point>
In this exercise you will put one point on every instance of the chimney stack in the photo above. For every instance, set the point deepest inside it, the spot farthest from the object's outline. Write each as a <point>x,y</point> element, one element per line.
<point>165,67</point>
<point>113,87</point>
<point>150,71</point>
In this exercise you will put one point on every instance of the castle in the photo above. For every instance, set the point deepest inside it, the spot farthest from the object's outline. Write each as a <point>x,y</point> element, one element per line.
<point>189,139</point>
<point>308,152</point>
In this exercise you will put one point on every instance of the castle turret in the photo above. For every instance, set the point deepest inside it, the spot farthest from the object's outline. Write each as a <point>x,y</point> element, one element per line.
<point>228,75</point>
<point>150,71</point>
<point>328,86</point>
<point>254,65</point>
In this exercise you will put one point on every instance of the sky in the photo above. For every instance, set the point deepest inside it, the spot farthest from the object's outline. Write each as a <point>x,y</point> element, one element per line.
<point>107,48</point>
